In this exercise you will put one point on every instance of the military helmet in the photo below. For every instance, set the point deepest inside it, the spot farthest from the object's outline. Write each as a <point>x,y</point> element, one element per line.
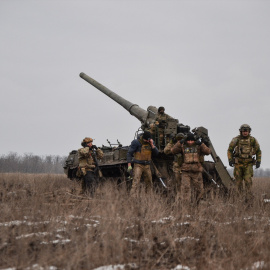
<point>161,108</point>
<point>87,140</point>
<point>179,136</point>
<point>245,127</point>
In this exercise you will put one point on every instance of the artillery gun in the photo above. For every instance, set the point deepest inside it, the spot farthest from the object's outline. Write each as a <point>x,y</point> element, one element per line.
<point>114,163</point>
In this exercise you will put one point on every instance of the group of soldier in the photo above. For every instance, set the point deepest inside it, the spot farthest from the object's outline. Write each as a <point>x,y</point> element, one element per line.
<point>188,151</point>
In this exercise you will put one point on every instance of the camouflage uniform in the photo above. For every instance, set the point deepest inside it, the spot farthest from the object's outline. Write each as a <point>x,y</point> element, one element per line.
<point>142,152</point>
<point>192,180</point>
<point>241,153</point>
<point>87,166</point>
<point>162,119</point>
<point>177,163</point>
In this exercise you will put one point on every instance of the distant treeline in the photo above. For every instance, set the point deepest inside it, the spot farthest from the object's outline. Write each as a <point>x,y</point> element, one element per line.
<point>29,163</point>
<point>257,172</point>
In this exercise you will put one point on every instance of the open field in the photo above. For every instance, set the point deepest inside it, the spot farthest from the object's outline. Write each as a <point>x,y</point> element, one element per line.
<point>46,224</point>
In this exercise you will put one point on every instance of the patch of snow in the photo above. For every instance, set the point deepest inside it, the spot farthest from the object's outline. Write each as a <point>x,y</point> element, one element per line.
<point>38,267</point>
<point>32,234</point>
<point>19,222</point>
<point>130,240</point>
<point>181,267</point>
<point>182,224</point>
<point>249,232</point>
<point>258,265</point>
<point>183,239</point>
<point>117,267</point>
<point>64,241</point>
<point>164,220</point>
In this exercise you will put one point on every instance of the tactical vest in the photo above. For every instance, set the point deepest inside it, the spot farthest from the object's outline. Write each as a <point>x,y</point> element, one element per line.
<point>244,149</point>
<point>191,154</point>
<point>146,151</point>
<point>178,158</point>
<point>86,159</point>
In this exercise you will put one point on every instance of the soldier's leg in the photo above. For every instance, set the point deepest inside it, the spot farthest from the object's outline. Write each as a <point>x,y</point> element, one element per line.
<point>238,175</point>
<point>197,185</point>
<point>185,188</point>
<point>175,182</point>
<point>90,183</point>
<point>137,173</point>
<point>147,176</point>
<point>83,173</point>
<point>177,176</point>
<point>248,174</point>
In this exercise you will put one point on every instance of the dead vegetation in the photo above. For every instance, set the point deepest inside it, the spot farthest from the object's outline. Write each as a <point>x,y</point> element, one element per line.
<point>45,222</point>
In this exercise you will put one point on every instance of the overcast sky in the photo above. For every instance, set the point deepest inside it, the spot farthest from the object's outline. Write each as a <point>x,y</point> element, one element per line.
<point>206,62</point>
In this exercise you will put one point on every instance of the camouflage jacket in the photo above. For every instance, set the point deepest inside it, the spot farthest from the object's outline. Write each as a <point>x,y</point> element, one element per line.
<point>162,118</point>
<point>168,147</point>
<point>194,151</point>
<point>178,158</point>
<point>86,159</point>
<point>244,149</point>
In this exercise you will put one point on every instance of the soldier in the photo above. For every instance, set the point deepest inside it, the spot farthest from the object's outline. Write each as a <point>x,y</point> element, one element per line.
<point>161,121</point>
<point>192,180</point>
<point>241,154</point>
<point>142,150</point>
<point>177,163</point>
<point>87,164</point>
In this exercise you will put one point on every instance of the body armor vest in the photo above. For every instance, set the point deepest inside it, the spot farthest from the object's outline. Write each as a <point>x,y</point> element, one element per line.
<point>85,159</point>
<point>191,154</point>
<point>146,152</point>
<point>178,158</point>
<point>244,148</point>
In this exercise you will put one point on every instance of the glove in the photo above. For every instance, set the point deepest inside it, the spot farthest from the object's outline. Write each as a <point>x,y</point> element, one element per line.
<point>206,141</point>
<point>198,142</point>
<point>94,147</point>
<point>182,141</point>
<point>231,163</point>
<point>129,169</point>
<point>258,164</point>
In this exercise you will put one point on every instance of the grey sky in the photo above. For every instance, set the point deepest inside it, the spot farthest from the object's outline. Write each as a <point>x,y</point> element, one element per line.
<point>206,62</point>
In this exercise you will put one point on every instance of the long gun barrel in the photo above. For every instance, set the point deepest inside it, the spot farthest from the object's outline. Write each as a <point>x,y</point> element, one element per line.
<point>132,108</point>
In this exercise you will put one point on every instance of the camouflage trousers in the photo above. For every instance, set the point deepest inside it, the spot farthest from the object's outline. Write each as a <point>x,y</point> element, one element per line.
<point>191,187</point>
<point>176,182</point>
<point>243,173</point>
<point>140,170</point>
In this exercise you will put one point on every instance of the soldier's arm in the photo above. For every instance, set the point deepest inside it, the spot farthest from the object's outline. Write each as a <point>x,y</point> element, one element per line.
<point>131,150</point>
<point>155,151</point>
<point>167,149</point>
<point>177,148</point>
<point>258,151</point>
<point>100,153</point>
<point>205,150</point>
<point>231,149</point>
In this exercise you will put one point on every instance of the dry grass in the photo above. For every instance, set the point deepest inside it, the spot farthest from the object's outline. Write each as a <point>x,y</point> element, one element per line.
<point>43,224</point>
